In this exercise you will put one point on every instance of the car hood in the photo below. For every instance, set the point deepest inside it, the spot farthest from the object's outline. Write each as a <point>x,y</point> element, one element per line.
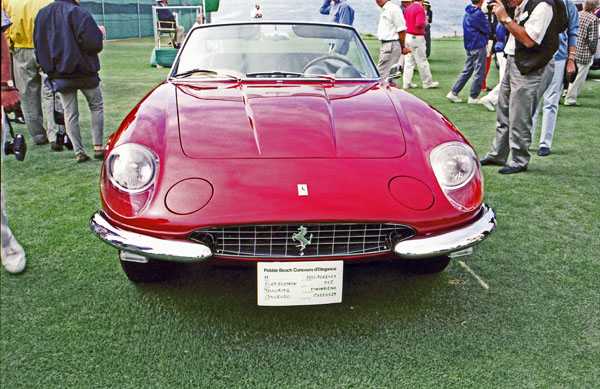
<point>345,120</point>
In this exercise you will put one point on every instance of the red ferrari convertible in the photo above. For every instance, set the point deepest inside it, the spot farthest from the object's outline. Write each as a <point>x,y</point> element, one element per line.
<point>279,142</point>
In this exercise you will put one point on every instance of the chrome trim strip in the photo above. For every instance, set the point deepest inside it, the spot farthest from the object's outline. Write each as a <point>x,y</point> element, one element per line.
<point>147,246</point>
<point>448,242</point>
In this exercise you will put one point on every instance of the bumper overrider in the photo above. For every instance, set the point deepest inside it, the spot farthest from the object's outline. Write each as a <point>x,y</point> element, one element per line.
<point>138,247</point>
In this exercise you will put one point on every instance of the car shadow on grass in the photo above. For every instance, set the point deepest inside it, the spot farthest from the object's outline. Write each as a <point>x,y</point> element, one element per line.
<point>227,294</point>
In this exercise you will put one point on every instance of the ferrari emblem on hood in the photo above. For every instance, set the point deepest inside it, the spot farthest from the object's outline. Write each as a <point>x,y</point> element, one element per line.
<point>300,237</point>
<point>302,190</point>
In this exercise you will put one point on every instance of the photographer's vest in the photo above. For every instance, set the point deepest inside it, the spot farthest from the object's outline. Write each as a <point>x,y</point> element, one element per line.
<point>536,57</point>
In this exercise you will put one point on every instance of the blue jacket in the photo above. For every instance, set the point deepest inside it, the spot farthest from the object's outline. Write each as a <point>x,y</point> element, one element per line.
<point>569,36</point>
<point>501,38</point>
<point>476,28</point>
<point>339,12</point>
<point>67,41</point>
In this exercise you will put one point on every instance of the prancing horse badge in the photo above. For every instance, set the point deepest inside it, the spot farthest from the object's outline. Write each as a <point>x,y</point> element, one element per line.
<point>302,190</point>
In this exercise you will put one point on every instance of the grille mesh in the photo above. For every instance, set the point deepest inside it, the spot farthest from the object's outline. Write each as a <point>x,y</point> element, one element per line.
<point>287,240</point>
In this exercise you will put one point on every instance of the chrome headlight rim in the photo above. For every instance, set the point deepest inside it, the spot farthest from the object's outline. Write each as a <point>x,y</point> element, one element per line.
<point>442,148</point>
<point>148,154</point>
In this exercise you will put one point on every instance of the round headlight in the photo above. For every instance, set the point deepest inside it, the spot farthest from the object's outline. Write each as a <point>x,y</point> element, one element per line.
<point>454,164</point>
<point>132,168</point>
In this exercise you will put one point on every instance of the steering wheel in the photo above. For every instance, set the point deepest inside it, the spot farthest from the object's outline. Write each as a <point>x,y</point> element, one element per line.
<point>325,57</point>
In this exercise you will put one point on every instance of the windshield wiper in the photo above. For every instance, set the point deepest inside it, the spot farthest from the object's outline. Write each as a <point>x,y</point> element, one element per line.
<point>207,72</point>
<point>330,78</point>
<point>274,74</point>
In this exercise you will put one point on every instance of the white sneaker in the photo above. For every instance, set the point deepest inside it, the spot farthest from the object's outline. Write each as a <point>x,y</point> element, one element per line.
<point>475,100</point>
<point>13,256</point>
<point>434,84</point>
<point>410,86</point>
<point>486,103</point>
<point>454,98</point>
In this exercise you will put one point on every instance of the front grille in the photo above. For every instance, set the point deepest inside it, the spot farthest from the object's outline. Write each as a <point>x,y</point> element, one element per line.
<point>302,240</point>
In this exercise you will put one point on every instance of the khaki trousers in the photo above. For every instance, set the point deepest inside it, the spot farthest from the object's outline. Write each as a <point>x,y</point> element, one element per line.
<point>96,105</point>
<point>29,80</point>
<point>518,99</point>
<point>417,57</point>
<point>389,54</point>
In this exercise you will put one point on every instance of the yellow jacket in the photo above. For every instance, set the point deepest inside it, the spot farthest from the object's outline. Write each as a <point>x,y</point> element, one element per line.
<point>22,13</point>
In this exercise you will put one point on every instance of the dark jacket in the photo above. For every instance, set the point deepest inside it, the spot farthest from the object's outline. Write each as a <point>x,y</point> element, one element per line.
<point>164,15</point>
<point>476,28</point>
<point>530,59</point>
<point>67,41</point>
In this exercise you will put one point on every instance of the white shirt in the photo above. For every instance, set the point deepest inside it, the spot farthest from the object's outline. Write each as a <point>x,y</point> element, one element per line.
<point>535,26</point>
<point>391,22</point>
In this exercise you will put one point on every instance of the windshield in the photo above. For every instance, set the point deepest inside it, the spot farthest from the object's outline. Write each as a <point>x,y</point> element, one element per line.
<point>274,50</point>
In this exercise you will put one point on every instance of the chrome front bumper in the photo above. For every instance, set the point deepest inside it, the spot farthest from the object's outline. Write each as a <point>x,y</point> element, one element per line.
<point>449,242</point>
<point>186,251</point>
<point>147,246</point>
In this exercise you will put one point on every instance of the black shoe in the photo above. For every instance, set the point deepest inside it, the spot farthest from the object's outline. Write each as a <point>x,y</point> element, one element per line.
<point>488,161</point>
<point>512,169</point>
<point>68,143</point>
<point>42,142</point>
<point>544,151</point>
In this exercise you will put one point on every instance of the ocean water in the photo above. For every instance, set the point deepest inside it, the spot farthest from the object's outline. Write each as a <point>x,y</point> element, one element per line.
<point>447,14</point>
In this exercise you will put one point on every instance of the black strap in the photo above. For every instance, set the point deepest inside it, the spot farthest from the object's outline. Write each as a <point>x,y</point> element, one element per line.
<point>10,129</point>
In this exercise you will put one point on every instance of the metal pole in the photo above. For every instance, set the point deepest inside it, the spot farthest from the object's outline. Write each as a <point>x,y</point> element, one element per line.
<point>139,21</point>
<point>155,26</point>
<point>103,17</point>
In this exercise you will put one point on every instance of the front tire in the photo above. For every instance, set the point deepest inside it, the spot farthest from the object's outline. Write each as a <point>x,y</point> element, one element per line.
<point>150,272</point>
<point>431,265</point>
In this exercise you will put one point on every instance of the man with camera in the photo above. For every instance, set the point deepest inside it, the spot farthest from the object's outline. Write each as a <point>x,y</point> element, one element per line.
<point>13,255</point>
<point>530,49</point>
<point>29,77</point>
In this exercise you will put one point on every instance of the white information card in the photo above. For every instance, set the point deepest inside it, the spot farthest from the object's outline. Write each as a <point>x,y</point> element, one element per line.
<point>300,283</point>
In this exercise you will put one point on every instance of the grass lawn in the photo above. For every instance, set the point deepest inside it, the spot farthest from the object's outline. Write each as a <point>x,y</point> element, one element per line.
<point>72,319</point>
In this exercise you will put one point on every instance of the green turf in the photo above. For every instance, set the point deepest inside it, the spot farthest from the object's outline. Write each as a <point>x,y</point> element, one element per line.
<point>72,319</point>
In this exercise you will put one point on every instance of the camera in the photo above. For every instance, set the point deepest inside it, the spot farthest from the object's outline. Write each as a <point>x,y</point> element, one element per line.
<point>490,6</point>
<point>63,140</point>
<point>17,146</point>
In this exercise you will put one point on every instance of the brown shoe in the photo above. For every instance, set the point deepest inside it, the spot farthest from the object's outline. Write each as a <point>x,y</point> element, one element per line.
<point>99,154</point>
<point>56,146</point>
<point>82,157</point>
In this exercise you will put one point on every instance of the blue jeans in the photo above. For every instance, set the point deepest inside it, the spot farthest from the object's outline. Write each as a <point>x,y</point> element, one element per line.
<point>476,60</point>
<point>550,106</point>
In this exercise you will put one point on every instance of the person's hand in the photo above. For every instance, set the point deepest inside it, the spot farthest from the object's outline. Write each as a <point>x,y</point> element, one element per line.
<point>9,98</point>
<point>406,50</point>
<point>570,67</point>
<point>102,30</point>
<point>499,10</point>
